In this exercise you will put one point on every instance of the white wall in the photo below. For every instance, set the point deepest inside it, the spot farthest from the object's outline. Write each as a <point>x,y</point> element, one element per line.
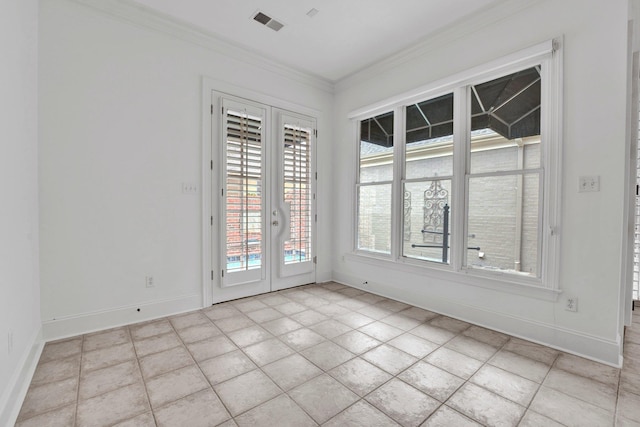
<point>19,287</point>
<point>120,131</point>
<point>595,66</point>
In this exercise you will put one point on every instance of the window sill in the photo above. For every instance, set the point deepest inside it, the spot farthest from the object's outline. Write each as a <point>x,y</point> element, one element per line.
<point>495,281</point>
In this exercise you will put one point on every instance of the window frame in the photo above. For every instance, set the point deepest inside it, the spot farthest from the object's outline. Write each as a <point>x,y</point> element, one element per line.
<point>453,177</point>
<point>547,54</point>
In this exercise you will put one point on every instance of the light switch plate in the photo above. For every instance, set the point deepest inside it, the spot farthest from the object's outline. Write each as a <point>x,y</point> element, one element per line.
<point>189,188</point>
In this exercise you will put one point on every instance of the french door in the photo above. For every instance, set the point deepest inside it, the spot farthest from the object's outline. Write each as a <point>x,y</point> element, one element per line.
<point>266,192</point>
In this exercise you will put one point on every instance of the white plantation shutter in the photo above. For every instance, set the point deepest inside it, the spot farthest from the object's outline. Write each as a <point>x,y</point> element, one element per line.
<point>243,201</point>
<point>297,192</point>
<point>296,187</point>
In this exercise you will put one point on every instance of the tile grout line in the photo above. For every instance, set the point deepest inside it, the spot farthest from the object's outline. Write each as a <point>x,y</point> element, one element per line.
<point>614,412</point>
<point>283,392</point>
<point>465,381</point>
<point>75,415</point>
<point>526,408</point>
<point>555,360</point>
<point>198,367</point>
<point>298,352</point>
<point>122,362</point>
<point>381,343</point>
<point>144,383</point>
<point>333,317</point>
<point>359,356</point>
<point>395,376</point>
<point>56,408</point>
<point>31,385</point>
<point>484,363</point>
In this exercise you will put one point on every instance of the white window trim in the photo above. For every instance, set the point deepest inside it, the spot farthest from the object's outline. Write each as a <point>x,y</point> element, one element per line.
<point>546,286</point>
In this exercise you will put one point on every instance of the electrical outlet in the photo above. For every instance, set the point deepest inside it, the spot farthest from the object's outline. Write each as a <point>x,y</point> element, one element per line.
<point>588,184</point>
<point>149,282</point>
<point>189,188</point>
<point>10,342</point>
<point>571,304</point>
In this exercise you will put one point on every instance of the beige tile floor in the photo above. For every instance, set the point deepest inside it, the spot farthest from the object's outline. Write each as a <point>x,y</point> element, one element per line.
<point>323,355</point>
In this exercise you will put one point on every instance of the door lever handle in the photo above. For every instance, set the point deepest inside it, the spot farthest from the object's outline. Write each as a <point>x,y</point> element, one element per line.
<point>275,223</point>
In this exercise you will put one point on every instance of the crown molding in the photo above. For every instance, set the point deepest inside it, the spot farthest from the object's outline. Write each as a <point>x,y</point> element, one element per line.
<point>460,28</point>
<point>145,17</point>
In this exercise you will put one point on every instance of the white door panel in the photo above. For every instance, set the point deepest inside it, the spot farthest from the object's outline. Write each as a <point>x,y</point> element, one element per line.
<point>265,185</point>
<point>294,201</point>
<point>243,176</point>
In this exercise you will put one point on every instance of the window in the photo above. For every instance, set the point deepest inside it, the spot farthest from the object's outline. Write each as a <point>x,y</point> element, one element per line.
<point>428,171</point>
<point>375,178</point>
<point>471,182</point>
<point>505,174</point>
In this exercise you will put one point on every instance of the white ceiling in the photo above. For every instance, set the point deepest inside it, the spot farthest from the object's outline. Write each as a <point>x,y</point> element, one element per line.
<point>344,37</point>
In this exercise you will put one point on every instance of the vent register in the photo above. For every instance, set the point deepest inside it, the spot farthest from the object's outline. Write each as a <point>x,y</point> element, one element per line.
<point>268,21</point>
<point>275,25</point>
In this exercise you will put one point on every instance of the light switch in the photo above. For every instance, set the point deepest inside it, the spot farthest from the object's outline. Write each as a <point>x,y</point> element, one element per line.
<point>189,188</point>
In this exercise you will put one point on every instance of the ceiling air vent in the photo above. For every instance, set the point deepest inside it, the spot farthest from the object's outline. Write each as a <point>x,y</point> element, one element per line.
<point>268,21</point>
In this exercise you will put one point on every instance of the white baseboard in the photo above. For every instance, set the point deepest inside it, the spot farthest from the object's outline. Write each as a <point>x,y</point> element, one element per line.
<point>16,390</point>
<point>567,340</point>
<point>90,322</point>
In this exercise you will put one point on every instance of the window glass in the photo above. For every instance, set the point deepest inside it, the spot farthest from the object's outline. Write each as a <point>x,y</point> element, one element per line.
<point>376,148</point>
<point>505,114</point>
<point>503,199</point>
<point>375,177</point>
<point>374,218</point>
<point>427,220</point>
<point>503,223</point>
<point>429,138</point>
<point>427,186</point>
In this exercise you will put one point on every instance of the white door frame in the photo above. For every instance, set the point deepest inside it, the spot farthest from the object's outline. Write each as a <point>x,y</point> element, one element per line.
<point>629,208</point>
<point>210,204</point>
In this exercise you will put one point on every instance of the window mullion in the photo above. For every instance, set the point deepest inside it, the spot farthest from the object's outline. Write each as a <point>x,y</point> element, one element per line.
<point>354,195</point>
<point>397,191</point>
<point>461,121</point>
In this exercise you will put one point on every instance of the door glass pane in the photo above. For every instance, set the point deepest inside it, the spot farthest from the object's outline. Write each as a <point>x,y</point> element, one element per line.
<point>503,223</point>
<point>244,206</point>
<point>297,192</point>
<point>374,218</point>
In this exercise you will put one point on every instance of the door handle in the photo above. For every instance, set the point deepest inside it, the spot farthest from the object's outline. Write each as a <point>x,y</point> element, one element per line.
<point>275,222</point>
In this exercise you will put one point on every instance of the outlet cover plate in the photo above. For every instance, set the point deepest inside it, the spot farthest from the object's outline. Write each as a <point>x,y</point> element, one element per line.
<point>588,184</point>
